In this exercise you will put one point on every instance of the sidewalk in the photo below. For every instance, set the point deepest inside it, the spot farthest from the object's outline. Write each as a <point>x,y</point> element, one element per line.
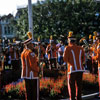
<point>88,97</point>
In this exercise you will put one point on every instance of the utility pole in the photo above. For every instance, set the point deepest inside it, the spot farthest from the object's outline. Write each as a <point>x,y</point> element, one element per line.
<point>30,17</point>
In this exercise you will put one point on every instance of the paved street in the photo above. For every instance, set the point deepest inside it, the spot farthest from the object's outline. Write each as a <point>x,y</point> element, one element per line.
<point>84,99</point>
<point>93,96</point>
<point>93,99</point>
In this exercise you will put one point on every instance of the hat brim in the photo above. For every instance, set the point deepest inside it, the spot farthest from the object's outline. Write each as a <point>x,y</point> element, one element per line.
<point>28,41</point>
<point>72,38</point>
<point>51,41</point>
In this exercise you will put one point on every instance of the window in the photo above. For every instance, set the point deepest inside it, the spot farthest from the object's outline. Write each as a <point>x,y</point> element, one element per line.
<point>9,30</point>
<point>5,30</point>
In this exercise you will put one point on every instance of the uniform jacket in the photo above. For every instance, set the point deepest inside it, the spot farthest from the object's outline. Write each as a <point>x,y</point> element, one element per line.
<point>74,56</point>
<point>41,51</point>
<point>93,49</point>
<point>14,53</point>
<point>30,67</point>
<point>97,57</point>
<point>51,50</point>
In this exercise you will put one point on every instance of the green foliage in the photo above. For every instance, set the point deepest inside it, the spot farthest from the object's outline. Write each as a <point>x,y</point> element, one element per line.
<point>22,24</point>
<point>52,17</point>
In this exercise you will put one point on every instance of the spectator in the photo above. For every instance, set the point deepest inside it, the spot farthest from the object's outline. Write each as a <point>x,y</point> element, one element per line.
<point>60,53</point>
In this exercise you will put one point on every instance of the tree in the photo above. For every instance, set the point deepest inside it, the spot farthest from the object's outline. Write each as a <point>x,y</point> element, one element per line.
<point>56,17</point>
<point>21,26</point>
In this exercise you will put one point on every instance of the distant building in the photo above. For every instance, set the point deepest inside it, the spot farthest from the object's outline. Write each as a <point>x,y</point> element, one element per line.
<point>98,1</point>
<point>6,27</point>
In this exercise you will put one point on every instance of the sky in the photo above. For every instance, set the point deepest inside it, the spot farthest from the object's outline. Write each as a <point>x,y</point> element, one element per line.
<point>10,6</point>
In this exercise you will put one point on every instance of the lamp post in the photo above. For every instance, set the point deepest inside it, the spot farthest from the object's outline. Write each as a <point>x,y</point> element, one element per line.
<point>30,17</point>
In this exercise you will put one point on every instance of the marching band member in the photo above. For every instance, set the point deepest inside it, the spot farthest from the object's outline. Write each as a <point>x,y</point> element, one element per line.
<point>30,70</point>
<point>97,57</point>
<point>40,49</point>
<point>93,50</point>
<point>95,33</point>
<point>90,39</point>
<point>41,54</point>
<point>15,56</point>
<point>51,50</point>
<point>74,56</point>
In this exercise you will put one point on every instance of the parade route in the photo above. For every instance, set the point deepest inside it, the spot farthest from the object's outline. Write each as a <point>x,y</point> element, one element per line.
<point>88,97</point>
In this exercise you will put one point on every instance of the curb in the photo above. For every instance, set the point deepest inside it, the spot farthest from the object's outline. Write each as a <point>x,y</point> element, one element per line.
<point>90,96</point>
<point>86,97</point>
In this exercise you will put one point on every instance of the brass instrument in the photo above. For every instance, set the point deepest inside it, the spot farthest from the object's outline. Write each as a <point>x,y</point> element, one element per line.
<point>85,42</point>
<point>86,47</point>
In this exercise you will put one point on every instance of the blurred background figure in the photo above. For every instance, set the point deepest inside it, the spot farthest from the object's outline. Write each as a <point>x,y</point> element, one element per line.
<point>51,51</point>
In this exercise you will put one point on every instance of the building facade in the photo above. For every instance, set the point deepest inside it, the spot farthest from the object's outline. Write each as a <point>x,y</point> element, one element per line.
<point>6,27</point>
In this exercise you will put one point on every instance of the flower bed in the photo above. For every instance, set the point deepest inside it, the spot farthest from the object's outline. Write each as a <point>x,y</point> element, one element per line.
<point>90,83</point>
<point>50,87</point>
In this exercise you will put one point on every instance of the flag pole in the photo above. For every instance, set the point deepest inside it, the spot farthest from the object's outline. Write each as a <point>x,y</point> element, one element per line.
<point>30,17</point>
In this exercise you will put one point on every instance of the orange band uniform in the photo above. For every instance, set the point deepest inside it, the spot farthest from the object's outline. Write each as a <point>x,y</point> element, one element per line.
<point>70,58</point>
<point>29,63</point>
<point>51,51</point>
